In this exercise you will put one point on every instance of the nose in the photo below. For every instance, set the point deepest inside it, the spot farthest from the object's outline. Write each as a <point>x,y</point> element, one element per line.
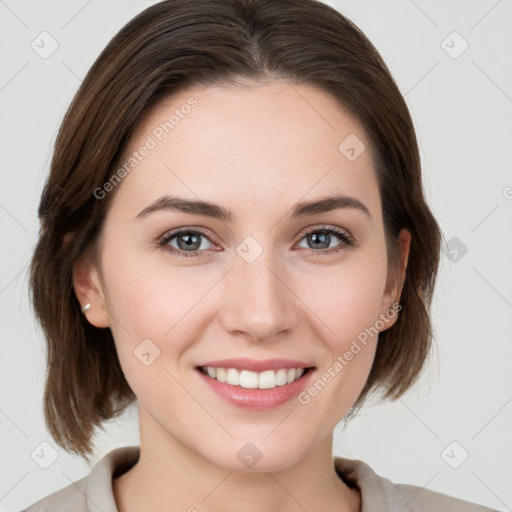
<point>258,299</point>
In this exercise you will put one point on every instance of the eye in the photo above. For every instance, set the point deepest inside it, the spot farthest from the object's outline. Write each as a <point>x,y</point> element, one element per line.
<point>185,243</point>
<point>320,239</point>
<point>190,243</point>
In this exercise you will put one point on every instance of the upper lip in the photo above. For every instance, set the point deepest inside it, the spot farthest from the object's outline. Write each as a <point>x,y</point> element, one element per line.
<point>257,365</point>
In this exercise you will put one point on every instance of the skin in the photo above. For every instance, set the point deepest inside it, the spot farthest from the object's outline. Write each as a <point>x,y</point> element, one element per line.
<point>256,150</point>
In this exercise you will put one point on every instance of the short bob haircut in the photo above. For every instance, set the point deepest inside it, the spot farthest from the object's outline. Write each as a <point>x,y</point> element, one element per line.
<point>173,45</point>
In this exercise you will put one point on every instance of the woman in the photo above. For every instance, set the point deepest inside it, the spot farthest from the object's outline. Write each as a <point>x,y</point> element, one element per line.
<point>210,148</point>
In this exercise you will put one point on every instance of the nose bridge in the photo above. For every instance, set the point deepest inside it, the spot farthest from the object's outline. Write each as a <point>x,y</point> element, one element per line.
<point>258,301</point>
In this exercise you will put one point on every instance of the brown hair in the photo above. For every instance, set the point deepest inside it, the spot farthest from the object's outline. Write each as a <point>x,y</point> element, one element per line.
<point>168,47</point>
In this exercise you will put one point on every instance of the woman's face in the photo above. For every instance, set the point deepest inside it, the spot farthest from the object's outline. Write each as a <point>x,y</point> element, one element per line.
<point>254,277</point>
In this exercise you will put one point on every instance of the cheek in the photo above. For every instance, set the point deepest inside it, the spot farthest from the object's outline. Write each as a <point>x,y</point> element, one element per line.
<point>348,297</point>
<point>156,302</point>
<point>154,323</point>
<point>350,313</point>
<point>347,306</point>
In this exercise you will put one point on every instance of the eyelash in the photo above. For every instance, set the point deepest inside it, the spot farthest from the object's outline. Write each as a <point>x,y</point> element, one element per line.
<point>346,241</point>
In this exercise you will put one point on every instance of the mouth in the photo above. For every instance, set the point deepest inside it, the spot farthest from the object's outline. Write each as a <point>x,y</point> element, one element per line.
<point>247,379</point>
<point>255,385</point>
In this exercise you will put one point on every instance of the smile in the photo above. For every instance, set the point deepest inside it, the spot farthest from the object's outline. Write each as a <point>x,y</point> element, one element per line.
<point>247,379</point>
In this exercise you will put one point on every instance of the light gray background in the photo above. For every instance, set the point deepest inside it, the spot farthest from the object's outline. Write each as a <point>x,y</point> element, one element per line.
<point>462,109</point>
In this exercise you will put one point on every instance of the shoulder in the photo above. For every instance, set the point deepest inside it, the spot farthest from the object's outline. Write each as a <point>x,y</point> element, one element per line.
<point>72,497</point>
<point>94,491</point>
<point>380,494</point>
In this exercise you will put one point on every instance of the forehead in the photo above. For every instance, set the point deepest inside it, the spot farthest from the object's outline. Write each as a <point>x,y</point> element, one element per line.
<point>256,142</point>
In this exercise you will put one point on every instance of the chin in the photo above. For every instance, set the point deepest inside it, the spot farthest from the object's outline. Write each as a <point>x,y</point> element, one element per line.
<point>260,455</point>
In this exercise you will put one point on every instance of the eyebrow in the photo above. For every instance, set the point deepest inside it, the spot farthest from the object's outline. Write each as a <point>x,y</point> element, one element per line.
<point>215,211</point>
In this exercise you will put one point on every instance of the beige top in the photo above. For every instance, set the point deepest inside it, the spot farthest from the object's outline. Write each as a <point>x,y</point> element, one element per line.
<point>93,493</point>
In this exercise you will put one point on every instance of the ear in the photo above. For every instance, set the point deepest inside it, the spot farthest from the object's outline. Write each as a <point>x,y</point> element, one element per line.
<point>89,290</point>
<point>395,280</point>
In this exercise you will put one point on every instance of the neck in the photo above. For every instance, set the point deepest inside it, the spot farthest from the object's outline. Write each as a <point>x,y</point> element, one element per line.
<point>168,472</point>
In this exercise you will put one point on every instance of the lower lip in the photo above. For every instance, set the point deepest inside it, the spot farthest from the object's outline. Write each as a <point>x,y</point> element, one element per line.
<point>257,398</point>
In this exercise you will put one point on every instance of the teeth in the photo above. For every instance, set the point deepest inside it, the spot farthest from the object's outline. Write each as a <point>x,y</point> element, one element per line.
<point>281,377</point>
<point>233,377</point>
<point>221,374</point>
<point>252,380</point>
<point>247,379</point>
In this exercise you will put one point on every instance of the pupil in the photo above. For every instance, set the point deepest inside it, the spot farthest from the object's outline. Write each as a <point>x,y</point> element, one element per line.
<point>323,238</point>
<point>190,240</point>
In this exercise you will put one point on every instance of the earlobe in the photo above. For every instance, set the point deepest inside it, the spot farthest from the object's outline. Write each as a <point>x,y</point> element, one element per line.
<point>89,292</point>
